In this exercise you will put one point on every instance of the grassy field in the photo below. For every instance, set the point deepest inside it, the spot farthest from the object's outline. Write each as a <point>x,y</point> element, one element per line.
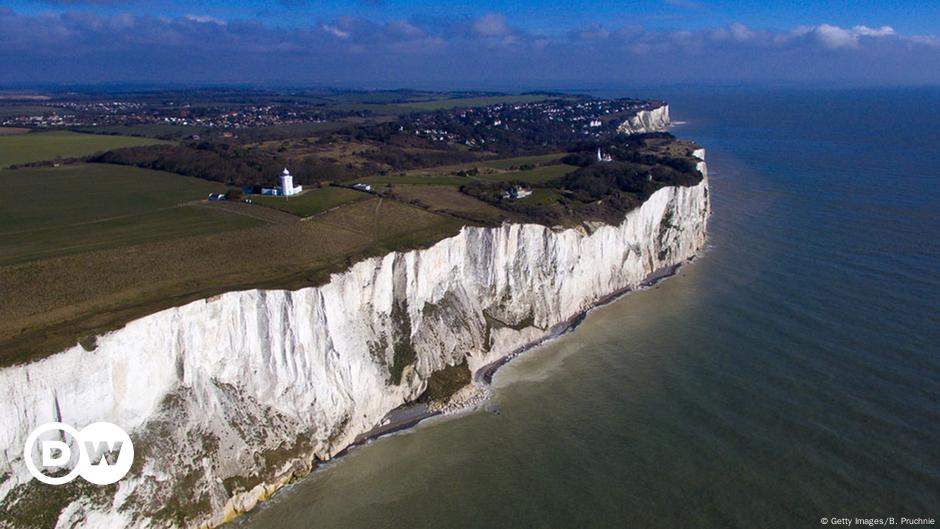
<point>542,197</point>
<point>26,110</point>
<point>312,201</point>
<point>416,179</point>
<point>492,171</point>
<point>12,131</point>
<point>39,146</point>
<point>502,164</point>
<point>51,303</point>
<point>538,175</point>
<point>449,199</point>
<point>507,163</point>
<point>47,212</point>
<point>150,130</point>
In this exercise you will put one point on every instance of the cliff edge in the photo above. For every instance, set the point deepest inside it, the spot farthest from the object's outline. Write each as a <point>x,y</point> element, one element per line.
<point>229,398</point>
<point>646,121</point>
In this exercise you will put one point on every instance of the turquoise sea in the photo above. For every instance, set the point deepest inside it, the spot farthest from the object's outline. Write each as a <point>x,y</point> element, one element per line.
<point>790,374</point>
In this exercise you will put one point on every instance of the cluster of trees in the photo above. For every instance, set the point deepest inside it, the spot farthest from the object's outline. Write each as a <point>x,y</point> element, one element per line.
<point>626,148</point>
<point>611,180</point>
<point>596,190</point>
<point>636,173</point>
<point>212,161</point>
<point>231,164</point>
<point>400,159</point>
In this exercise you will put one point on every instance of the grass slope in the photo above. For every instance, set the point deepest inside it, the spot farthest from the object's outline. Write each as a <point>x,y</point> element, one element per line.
<point>40,146</point>
<point>49,304</point>
<point>312,201</point>
<point>47,212</point>
<point>537,175</point>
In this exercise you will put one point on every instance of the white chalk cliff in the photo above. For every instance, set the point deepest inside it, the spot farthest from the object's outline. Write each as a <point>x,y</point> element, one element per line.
<point>645,121</point>
<point>229,398</point>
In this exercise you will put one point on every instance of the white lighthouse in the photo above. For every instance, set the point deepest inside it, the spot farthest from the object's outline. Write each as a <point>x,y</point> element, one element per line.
<point>287,184</point>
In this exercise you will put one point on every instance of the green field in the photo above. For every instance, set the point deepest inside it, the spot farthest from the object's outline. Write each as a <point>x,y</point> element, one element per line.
<point>538,175</point>
<point>542,197</point>
<point>26,110</point>
<point>507,163</point>
<point>47,212</point>
<point>39,146</point>
<point>312,201</point>
<point>150,130</point>
<point>417,179</point>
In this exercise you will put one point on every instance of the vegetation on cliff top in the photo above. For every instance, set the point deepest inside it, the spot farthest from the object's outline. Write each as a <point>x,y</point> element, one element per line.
<point>88,247</point>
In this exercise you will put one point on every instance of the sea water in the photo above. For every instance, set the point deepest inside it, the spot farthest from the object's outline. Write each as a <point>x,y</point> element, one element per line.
<point>791,374</point>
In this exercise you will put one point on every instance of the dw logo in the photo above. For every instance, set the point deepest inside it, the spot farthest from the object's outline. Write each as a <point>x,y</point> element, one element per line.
<point>104,453</point>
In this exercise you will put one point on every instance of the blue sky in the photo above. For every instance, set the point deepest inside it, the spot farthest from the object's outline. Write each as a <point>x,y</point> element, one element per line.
<point>516,44</point>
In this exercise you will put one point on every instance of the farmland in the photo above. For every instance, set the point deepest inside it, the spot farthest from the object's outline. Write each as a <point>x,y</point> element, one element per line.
<point>312,201</point>
<point>39,146</point>
<point>448,199</point>
<point>508,163</point>
<point>86,247</point>
<point>522,168</point>
<point>536,175</point>
<point>416,179</point>
<point>46,212</point>
<point>52,303</point>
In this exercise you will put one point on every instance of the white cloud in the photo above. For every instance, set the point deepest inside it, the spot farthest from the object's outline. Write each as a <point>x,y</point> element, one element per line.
<point>205,19</point>
<point>491,25</point>
<point>883,31</point>
<point>336,31</point>
<point>835,37</point>
<point>924,40</point>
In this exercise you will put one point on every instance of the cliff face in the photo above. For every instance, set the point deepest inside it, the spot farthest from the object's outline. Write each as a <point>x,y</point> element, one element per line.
<point>228,398</point>
<point>656,120</point>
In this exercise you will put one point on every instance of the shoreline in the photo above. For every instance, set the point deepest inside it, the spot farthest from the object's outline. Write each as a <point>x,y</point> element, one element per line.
<point>409,415</point>
<point>485,374</point>
<point>471,397</point>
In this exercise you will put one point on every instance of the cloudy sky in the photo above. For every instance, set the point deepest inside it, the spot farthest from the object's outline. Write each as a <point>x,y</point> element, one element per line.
<point>418,43</point>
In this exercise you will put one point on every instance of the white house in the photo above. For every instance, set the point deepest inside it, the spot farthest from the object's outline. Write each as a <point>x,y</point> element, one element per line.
<point>516,192</point>
<point>287,184</point>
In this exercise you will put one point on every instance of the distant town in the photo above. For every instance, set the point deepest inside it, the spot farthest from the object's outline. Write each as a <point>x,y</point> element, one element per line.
<point>94,114</point>
<point>543,120</point>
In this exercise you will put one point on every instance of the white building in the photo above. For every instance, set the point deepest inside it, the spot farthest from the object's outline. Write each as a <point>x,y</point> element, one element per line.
<point>603,157</point>
<point>287,184</point>
<point>516,192</point>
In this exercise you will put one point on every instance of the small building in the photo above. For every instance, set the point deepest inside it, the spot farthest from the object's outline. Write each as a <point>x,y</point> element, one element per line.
<point>270,191</point>
<point>287,184</point>
<point>363,187</point>
<point>516,192</point>
<point>603,157</point>
<point>215,197</point>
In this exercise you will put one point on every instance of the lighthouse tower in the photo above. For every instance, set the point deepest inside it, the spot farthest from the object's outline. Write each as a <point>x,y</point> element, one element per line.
<point>287,184</point>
